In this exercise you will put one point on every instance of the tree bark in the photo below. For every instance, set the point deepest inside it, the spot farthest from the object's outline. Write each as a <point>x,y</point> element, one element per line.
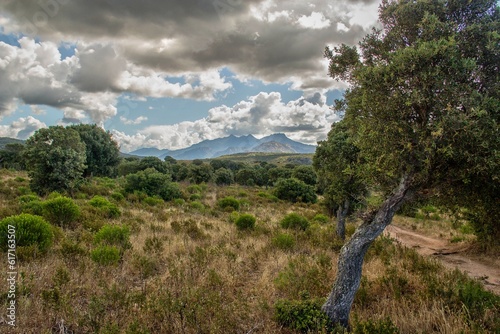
<point>350,263</point>
<point>341,215</point>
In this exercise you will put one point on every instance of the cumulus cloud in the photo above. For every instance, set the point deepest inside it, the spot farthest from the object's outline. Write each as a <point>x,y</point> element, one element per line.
<point>88,84</point>
<point>307,119</point>
<point>136,121</point>
<point>265,39</point>
<point>22,128</point>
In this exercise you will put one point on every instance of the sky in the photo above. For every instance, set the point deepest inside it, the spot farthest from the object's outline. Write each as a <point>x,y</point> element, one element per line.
<point>169,74</point>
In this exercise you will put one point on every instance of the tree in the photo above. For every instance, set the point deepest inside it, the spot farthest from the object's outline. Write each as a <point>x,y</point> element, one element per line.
<point>223,176</point>
<point>200,172</point>
<point>156,163</point>
<point>336,161</point>
<point>423,109</point>
<point>11,156</point>
<point>294,190</point>
<point>102,151</point>
<point>55,159</point>
<point>306,174</point>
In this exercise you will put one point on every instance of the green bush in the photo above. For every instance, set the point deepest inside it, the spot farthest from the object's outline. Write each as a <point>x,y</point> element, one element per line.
<point>229,203</point>
<point>304,316</point>
<point>106,208</point>
<point>153,201</point>
<point>33,207</point>
<point>28,230</point>
<point>321,218</point>
<point>28,198</point>
<point>105,255</point>
<point>113,235</point>
<point>61,211</point>
<point>195,197</point>
<point>294,190</point>
<point>294,221</point>
<point>117,196</point>
<point>283,241</point>
<point>245,222</point>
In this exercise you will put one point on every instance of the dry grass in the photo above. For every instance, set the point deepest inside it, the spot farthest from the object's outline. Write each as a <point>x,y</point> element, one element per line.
<point>192,271</point>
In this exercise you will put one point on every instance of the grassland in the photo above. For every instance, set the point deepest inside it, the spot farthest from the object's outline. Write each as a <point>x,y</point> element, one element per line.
<point>190,270</point>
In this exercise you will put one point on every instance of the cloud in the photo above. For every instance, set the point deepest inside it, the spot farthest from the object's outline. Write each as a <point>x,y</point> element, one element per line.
<point>136,121</point>
<point>306,119</point>
<point>264,39</point>
<point>22,128</point>
<point>88,84</point>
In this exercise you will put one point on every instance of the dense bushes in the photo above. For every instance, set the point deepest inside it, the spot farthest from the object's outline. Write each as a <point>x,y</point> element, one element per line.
<point>245,222</point>
<point>152,183</point>
<point>106,208</point>
<point>28,230</point>
<point>229,203</point>
<point>61,211</point>
<point>294,221</point>
<point>294,190</point>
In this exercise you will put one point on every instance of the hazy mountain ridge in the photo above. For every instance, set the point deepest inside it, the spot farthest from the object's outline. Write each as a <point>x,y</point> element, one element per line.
<point>214,148</point>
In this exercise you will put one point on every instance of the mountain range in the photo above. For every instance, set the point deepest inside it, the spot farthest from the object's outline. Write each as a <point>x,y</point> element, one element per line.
<point>276,143</point>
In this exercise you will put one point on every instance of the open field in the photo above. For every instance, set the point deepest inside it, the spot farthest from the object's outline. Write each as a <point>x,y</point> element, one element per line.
<point>189,269</point>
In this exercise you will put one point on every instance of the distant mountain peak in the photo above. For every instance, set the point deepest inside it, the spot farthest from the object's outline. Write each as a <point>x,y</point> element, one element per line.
<point>232,144</point>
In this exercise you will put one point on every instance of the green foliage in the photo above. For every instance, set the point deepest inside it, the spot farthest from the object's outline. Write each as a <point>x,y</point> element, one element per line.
<point>102,153</point>
<point>200,173</point>
<point>305,174</point>
<point>55,159</point>
<point>107,208</point>
<point>294,190</point>
<point>283,241</point>
<point>245,222</point>
<point>321,218</point>
<point>61,211</point>
<point>304,316</point>
<point>113,235</point>
<point>229,203</point>
<point>152,183</point>
<point>28,230</point>
<point>294,221</point>
<point>105,255</point>
<point>385,326</point>
<point>336,162</point>
<point>153,201</point>
<point>424,102</point>
<point>223,177</point>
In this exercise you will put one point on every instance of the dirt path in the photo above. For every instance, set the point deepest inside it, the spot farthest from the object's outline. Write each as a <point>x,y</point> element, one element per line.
<point>451,255</point>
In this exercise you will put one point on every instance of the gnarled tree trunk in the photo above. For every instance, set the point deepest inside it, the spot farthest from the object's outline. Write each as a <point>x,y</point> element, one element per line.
<point>341,215</point>
<point>350,264</point>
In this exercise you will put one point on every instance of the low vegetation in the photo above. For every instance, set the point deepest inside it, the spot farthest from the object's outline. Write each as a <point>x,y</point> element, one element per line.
<point>197,266</point>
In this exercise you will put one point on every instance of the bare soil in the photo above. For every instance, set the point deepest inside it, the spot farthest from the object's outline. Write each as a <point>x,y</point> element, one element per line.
<point>483,268</point>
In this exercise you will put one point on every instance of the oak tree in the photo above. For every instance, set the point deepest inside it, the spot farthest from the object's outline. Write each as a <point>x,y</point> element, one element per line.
<point>423,109</point>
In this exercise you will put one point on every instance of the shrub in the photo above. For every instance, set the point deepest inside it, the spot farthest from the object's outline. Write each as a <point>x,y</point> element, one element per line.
<point>113,235</point>
<point>321,218</point>
<point>105,255</point>
<point>117,196</point>
<point>294,221</point>
<point>28,198</point>
<point>245,222</point>
<point>229,203</point>
<point>152,201</point>
<point>106,208</point>
<point>33,207</point>
<point>29,230</point>
<point>60,211</point>
<point>283,241</point>
<point>294,190</point>
<point>301,315</point>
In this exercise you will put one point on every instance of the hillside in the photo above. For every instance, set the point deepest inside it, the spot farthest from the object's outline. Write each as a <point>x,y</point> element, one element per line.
<point>5,140</point>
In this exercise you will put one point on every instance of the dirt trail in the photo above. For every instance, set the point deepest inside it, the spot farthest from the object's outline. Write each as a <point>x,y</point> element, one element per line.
<point>451,255</point>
